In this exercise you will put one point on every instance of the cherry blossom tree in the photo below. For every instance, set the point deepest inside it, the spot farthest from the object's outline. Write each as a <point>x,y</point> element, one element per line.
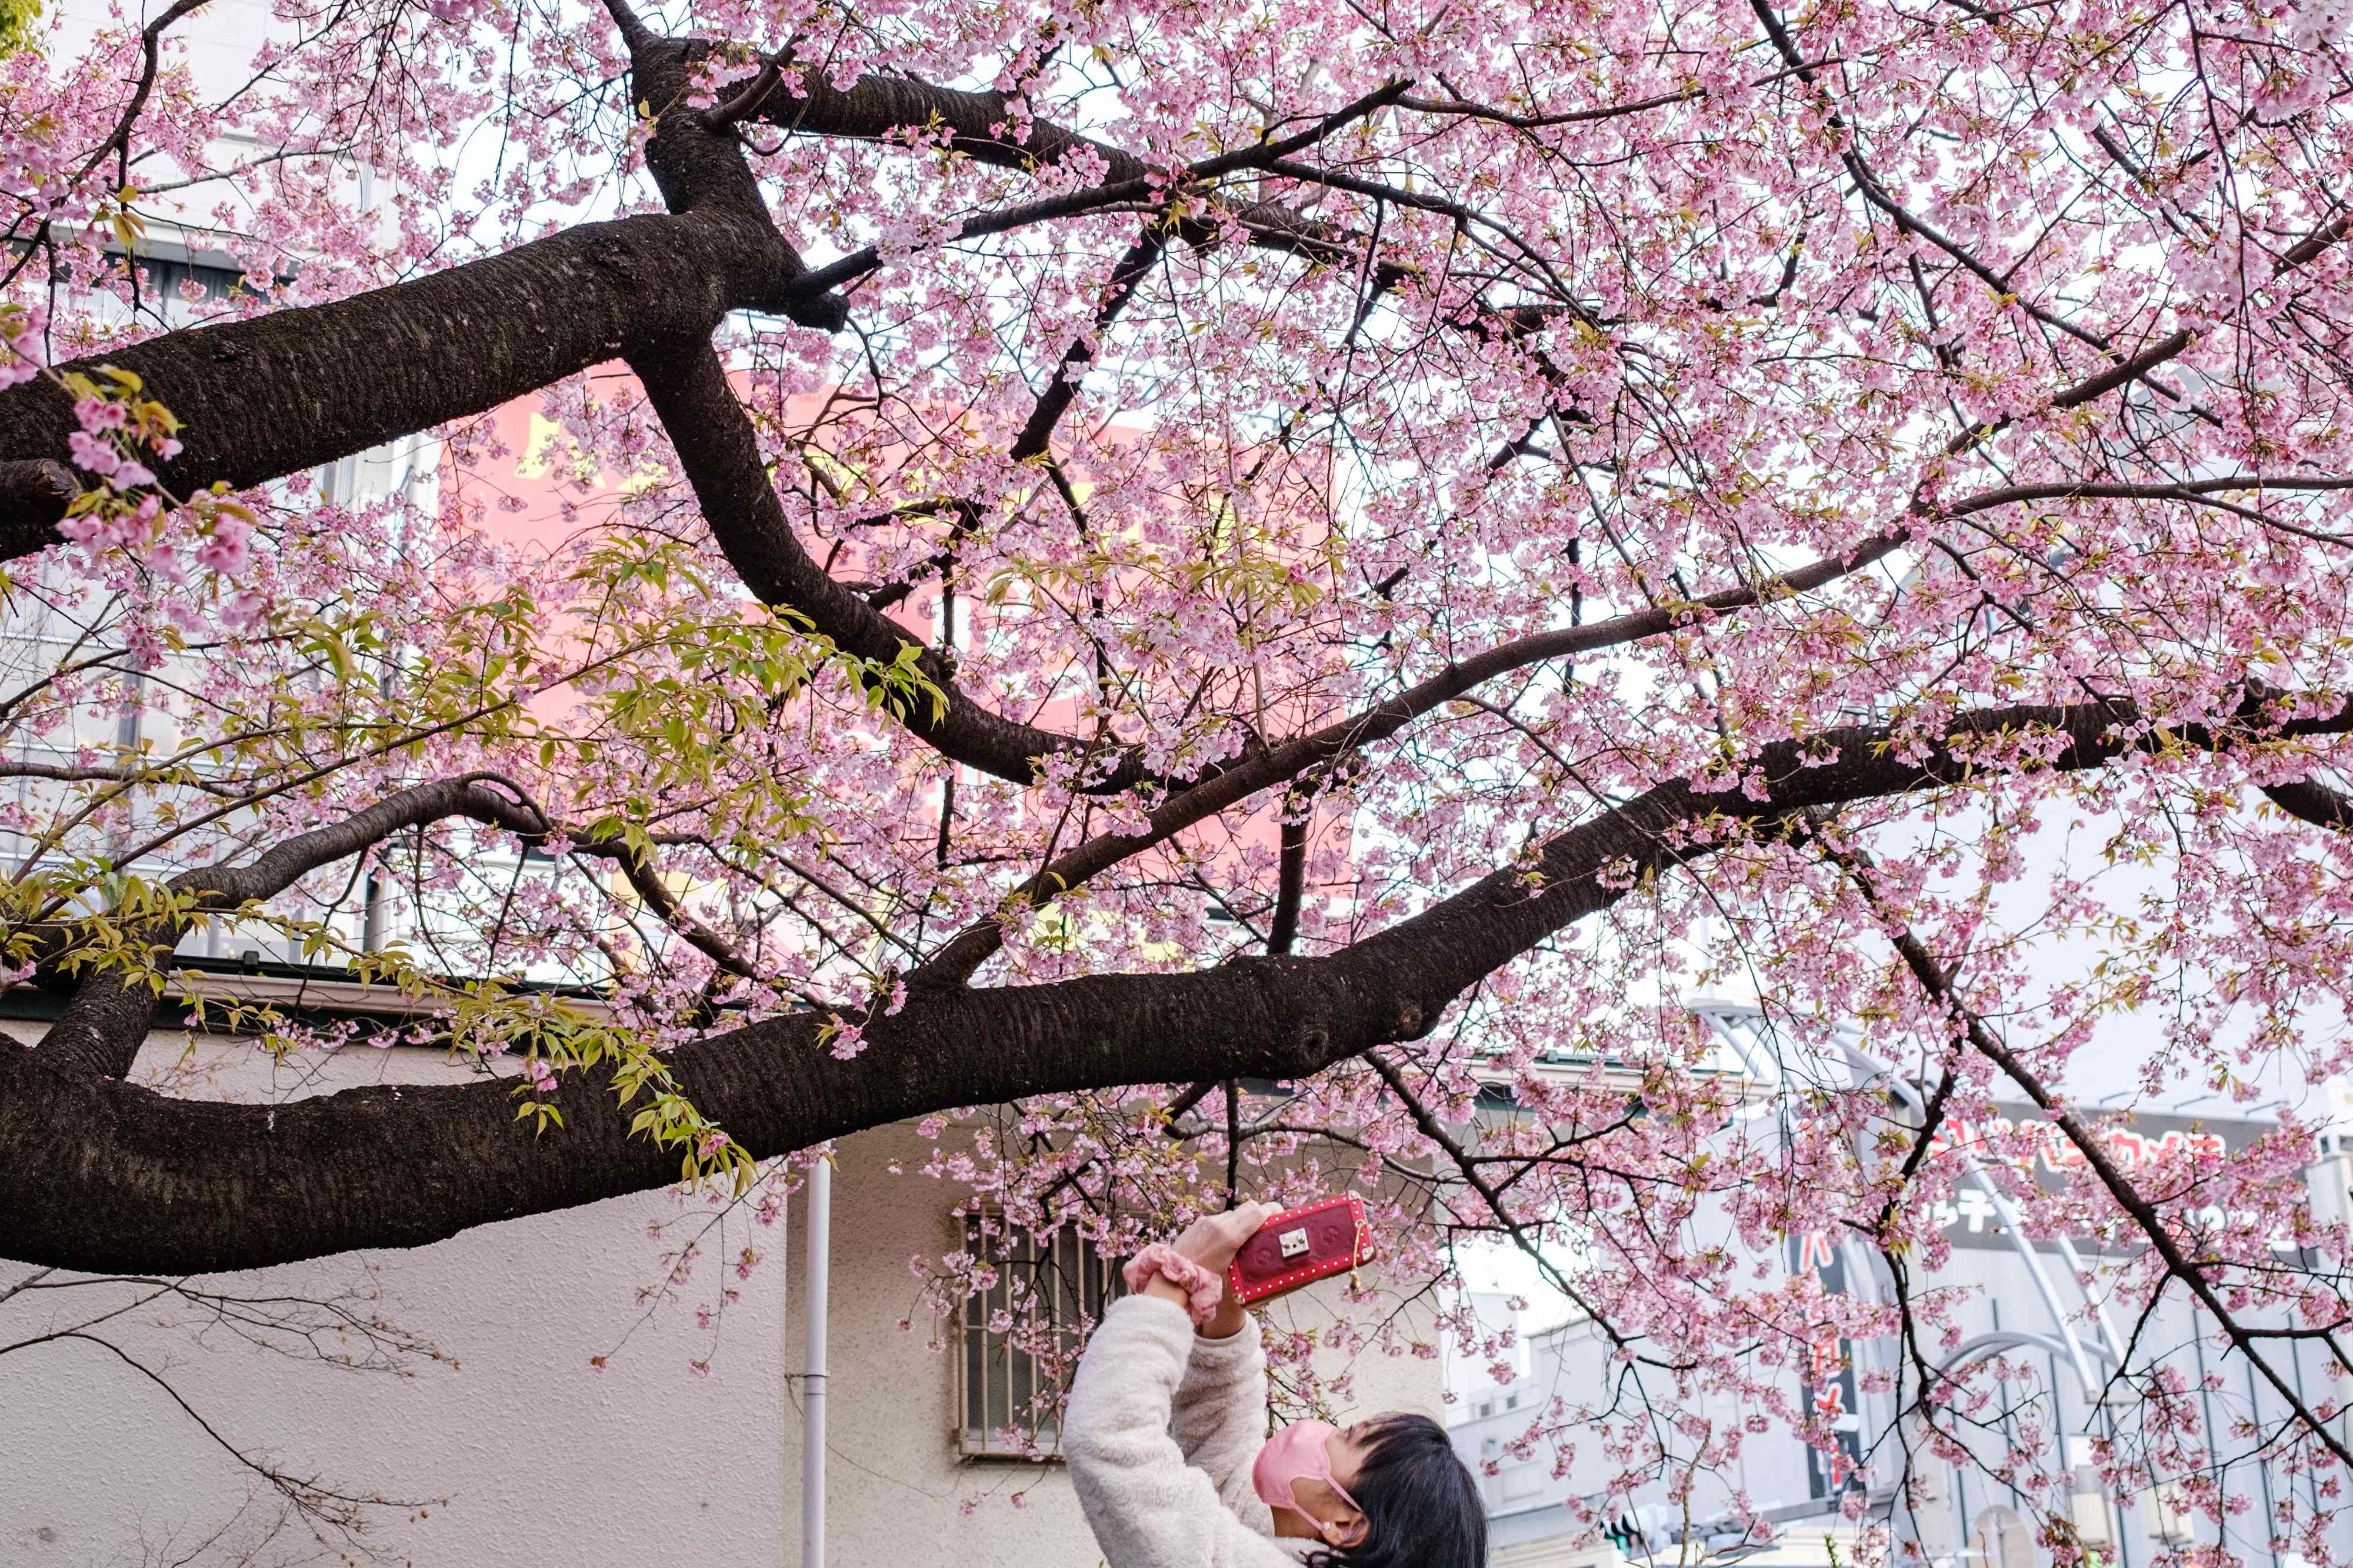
<point>1121,554</point>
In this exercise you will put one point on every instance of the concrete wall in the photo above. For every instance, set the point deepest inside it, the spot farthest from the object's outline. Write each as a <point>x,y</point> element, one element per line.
<point>521,1452</point>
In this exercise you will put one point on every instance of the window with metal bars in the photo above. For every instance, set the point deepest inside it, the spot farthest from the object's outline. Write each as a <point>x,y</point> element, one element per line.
<point>1045,1298</point>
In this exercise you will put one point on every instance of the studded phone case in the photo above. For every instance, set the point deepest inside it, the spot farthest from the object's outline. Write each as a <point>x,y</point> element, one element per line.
<point>1300,1247</point>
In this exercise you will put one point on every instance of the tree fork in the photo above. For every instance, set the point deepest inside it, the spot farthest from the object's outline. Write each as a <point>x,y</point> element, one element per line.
<point>102,1028</point>
<point>720,454</point>
<point>276,393</point>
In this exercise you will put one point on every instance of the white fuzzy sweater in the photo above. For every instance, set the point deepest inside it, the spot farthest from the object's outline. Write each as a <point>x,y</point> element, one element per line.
<point>1160,1432</point>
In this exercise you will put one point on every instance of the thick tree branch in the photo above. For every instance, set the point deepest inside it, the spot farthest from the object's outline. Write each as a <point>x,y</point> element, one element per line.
<point>699,167</point>
<point>107,1176</point>
<point>888,108</point>
<point>2314,802</point>
<point>198,1187</point>
<point>634,32</point>
<point>274,395</point>
<point>1291,885</point>
<point>268,396</point>
<point>720,454</point>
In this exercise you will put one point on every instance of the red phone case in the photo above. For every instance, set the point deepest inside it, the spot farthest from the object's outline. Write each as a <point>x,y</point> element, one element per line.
<point>1299,1246</point>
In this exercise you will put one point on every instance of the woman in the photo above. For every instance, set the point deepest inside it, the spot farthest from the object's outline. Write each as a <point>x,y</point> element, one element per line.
<point>1165,1436</point>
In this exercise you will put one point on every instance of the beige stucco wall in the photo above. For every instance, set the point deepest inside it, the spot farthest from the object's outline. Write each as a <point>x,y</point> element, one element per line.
<point>521,1452</point>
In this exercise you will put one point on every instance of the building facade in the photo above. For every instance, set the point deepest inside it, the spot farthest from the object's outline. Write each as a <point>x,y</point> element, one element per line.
<point>2037,1303</point>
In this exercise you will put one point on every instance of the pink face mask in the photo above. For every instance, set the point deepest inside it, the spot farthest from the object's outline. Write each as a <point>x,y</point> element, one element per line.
<point>1297,1453</point>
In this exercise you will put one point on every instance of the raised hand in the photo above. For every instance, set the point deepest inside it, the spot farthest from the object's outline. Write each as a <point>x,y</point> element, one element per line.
<point>1211,1241</point>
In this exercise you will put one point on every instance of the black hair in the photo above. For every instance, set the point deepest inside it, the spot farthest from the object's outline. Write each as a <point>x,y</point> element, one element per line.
<point>1421,1505</point>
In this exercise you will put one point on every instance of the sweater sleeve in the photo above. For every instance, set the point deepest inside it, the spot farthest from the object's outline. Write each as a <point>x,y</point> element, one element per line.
<point>1147,1507</point>
<point>1220,1418</point>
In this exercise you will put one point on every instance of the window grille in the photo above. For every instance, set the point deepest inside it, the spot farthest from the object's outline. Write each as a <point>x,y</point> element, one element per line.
<point>1006,1400</point>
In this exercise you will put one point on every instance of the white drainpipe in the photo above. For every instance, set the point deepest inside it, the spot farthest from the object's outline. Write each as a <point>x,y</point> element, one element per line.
<point>813,1297</point>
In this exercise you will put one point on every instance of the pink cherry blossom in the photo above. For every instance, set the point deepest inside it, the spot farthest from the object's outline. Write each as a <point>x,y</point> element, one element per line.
<point>1847,508</point>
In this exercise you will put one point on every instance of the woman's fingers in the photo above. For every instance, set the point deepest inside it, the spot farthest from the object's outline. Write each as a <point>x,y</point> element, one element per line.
<point>1198,1241</point>
<point>1243,1223</point>
<point>1214,1238</point>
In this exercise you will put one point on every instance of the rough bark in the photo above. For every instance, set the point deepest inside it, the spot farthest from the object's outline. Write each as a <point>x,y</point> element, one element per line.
<point>278,394</point>
<point>34,494</point>
<point>98,1173</point>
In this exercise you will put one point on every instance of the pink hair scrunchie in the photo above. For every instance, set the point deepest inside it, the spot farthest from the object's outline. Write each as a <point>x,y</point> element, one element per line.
<point>1203,1288</point>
